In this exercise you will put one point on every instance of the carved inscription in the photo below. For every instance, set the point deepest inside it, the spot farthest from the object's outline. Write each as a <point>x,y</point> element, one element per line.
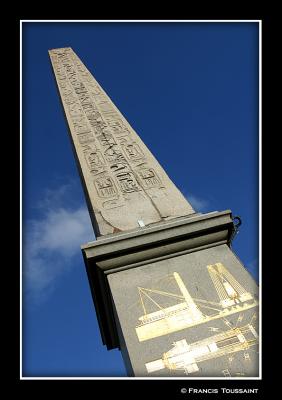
<point>149,178</point>
<point>86,116</point>
<point>132,150</point>
<point>86,137</point>
<point>111,150</point>
<point>80,124</point>
<point>95,161</point>
<point>105,107</point>
<point>127,182</point>
<point>105,187</point>
<point>116,169</point>
<point>118,127</point>
<point>75,109</point>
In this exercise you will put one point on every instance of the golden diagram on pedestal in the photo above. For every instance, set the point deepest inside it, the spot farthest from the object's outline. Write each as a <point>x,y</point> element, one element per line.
<point>187,312</point>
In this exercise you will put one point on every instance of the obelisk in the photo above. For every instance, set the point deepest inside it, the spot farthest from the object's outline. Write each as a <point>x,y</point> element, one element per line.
<point>124,184</point>
<point>168,290</point>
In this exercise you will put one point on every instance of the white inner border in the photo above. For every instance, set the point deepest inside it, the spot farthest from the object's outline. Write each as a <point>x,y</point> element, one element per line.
<point>260,209</point>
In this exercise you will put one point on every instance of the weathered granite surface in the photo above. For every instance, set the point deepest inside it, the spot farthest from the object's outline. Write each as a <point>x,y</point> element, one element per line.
<point>124,184</point>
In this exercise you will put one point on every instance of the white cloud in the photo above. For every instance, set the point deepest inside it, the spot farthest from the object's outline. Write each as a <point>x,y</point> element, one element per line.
<point>51,242</point>
<point>60,196</point>
<point>198,203</point>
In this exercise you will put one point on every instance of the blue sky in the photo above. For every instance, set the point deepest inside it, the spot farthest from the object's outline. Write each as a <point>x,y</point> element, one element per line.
<point>190,90</point>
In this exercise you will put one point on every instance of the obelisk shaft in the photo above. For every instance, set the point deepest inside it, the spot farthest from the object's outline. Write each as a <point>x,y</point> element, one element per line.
<point>124,184</point>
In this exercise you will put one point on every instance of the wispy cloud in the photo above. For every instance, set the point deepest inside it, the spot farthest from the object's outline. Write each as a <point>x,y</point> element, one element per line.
<point>63,195</point>
<point>199,204</point>
<point>52,241</point>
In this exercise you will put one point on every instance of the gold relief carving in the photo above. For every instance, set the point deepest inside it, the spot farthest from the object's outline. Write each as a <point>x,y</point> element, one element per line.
<point>105,187</point>
<point>86,137</point>
<point>229,290</point>
<point>187,356</point>
<point>189,311</point>
<point>148,178</point>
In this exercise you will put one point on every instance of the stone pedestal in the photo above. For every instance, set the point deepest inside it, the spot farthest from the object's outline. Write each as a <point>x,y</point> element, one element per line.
<point>175,299</point>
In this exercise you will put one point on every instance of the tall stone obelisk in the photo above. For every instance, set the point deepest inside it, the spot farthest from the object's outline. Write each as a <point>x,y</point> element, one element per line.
<point>168,290</point>
<point>124,183</point>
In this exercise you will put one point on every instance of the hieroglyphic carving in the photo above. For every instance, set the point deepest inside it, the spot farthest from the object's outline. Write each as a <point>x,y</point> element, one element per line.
<point>114,162</point>
<point>86,137</point>
<point>105,187</point>
<point>131,149</point>
<point>149,177</point>
<point>127,182</point>
<point>94,160</point>
<point>116,124</point>
<point>80,124</point>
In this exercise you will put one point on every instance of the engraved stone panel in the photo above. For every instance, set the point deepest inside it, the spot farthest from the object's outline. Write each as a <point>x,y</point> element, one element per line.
<point>95,161</point>
<point>149,177</point>
<point>127,182</point>
<point>113,161</point>
<point>86,137</point>
<point>105,187</point>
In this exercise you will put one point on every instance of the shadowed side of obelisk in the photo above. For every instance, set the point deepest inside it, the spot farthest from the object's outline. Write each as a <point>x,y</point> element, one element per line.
<point>124,184</point>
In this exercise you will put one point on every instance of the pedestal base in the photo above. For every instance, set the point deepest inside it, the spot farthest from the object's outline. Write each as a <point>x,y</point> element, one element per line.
<point>175,299</point>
